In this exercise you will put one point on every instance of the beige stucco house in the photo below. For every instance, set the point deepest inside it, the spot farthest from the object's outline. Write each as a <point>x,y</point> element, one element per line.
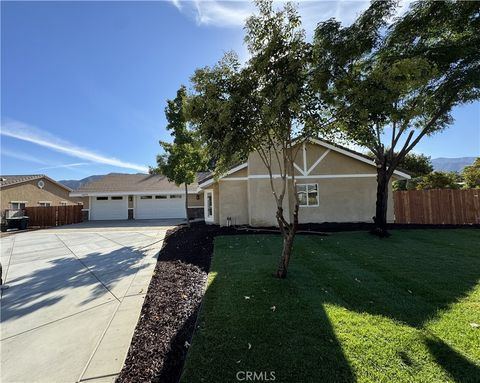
<point>335,184</point>
<point>20,191</point>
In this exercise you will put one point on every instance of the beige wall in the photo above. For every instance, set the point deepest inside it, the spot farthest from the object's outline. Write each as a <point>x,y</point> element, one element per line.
<point>262,202</point>
<point>233,202</point>
<point>193,201</point>
<point>32,194</point>
<point>343,200</point>
<point>348,198</point>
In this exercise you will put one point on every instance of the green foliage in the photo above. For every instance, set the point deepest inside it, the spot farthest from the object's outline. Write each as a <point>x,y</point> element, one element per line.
<point>409,77</point>
<point>439,180</point>
<point>266,103</point>
<point>185,157</point>
<point>416,164</point>
<point>471,175</point>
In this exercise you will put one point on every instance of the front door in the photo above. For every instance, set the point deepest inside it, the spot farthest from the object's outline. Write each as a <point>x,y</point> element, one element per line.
<point>209,206</point>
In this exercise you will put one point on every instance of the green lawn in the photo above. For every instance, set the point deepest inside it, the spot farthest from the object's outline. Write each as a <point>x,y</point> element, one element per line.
<point>353,308</point>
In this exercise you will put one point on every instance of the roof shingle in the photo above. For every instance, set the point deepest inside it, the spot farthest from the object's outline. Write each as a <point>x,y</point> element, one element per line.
<point>132,183</point>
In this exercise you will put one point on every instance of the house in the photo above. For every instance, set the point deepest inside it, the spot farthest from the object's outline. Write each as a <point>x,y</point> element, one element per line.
<point>334,184</point>
<point>20,191</point>
<point>119,196</point>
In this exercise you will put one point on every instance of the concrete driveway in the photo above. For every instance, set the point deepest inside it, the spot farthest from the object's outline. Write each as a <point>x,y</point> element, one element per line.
<point>74,299</point>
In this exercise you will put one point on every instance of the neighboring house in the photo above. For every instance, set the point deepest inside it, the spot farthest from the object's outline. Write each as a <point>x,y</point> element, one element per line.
<point>18,192</point>
<point>334,184</point>
<point>137,196</point>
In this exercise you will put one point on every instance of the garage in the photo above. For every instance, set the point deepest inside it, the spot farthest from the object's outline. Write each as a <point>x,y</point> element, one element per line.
<point>159,206</point>
<point>109,208</point>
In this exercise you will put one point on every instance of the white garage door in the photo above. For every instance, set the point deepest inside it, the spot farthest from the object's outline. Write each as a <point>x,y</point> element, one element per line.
<point>109,208</point>
<point>160,206</point>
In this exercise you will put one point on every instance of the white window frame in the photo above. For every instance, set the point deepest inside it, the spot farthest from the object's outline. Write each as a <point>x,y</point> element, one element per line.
<point>205,211</point>
<point>63,203</point>
<point>307,192</point>
<point>44,203</point>
<point>19,202</point>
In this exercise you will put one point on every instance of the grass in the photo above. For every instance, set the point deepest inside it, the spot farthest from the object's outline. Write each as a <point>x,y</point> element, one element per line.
<point>353,308</point>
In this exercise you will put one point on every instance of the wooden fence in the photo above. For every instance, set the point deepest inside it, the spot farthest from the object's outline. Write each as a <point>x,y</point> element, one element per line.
<point>54,215</point>
<point>439,206</point>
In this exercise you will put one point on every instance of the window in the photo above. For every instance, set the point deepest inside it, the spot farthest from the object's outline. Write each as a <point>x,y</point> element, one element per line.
<point>63,203</point>
<point>102,198</point>
<point>18,205</point>
<point>44,203</point>
<point>117,198</point>
<point>146,197</point>
<point>175,196</point>
<point>308,194</point>
<point>160,197</point>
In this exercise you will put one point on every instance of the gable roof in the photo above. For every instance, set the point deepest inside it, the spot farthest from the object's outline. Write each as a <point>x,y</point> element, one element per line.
<point>118,183</point>
<point>10,180</point>
<point>329,145</point>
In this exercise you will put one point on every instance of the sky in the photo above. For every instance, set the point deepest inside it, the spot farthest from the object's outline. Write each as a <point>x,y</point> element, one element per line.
<point>84,84</point>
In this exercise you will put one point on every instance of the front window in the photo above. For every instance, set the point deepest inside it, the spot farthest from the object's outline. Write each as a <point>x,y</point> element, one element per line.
<point>44,204</point>
<point>63,203</point>
<point>18,205</point>
<point>307,194</point>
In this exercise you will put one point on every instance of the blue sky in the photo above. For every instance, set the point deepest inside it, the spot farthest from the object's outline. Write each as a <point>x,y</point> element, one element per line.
<point>84,84</point>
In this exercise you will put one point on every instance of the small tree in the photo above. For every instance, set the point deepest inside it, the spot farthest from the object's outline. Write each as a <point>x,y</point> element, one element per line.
<point>185,157</point>
<point>390,87</point>
<point>471,175</point>
<point>417,165</point>
<point>262,107</point>
<point>439,180</point>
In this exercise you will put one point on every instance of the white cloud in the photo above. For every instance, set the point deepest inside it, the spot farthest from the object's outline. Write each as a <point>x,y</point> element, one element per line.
<point>232,13</point>
<point>22,156</point>
<point>24,132</point>
<point>67,166</point>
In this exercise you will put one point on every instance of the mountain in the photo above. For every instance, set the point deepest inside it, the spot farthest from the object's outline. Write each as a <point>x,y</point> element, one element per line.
<point>451,164</point>
<point>75,184</point>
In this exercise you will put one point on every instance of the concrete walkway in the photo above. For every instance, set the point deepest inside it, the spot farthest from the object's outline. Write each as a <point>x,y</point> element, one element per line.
<point>74,299</point>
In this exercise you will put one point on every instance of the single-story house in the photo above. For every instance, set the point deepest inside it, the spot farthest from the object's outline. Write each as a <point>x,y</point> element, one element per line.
<point>20,191</point>
<point>137,196</point>
<point>335,184</point>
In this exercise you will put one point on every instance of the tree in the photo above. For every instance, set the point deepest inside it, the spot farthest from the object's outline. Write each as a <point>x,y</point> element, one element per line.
<point>417,165</point>
<point>185,157</point>
<point>439,180</point>
<point>262,107</point>
<point>391,86</point>
<point>471,175</point>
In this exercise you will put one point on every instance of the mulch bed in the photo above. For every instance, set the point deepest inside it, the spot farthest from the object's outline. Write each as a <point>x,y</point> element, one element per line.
<point>169,313</point>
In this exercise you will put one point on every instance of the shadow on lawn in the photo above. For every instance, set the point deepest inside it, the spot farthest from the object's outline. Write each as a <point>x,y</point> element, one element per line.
<point>459,368</point>
<point>65,276</point>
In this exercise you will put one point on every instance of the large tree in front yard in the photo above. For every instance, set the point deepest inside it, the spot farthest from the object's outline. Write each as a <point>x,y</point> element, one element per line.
<point>262,107</point>
<point>390,86</point>
<point>185,157</point>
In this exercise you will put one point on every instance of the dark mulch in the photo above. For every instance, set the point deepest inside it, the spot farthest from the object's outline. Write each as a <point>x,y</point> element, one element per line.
<point>169,313</point>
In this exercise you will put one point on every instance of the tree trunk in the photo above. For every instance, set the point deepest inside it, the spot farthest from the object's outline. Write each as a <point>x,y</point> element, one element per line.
<point>381,207</point>
<point>186,204</point>
<point>288,232</point>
